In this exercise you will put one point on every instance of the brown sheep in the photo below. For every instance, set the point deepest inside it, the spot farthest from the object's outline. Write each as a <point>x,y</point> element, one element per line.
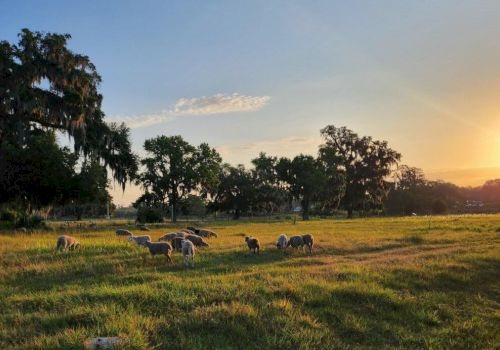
<point>296,242</point>
<point>123,232</point>
<point>168,236</point>
<point>253,244</point>
<point>67,242</point>
<point>197,240</point>
<point>202,232</point>
<point>308,240</point>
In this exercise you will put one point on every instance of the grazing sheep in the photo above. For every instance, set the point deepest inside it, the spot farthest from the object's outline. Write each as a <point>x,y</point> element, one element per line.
<point>182,234</point>
<point>206,233</point>
<point>296,242</point>
<point>144,228</point>
<point>177,243</point>
<point>140,240</point>
<point>202,232</point>
<point>160,248</point>
<point>168,236</point>
<point>188,252</point>
<point>197,240</point>
<point>282,241</point>
<point>253,244</point>
<point>308,240</point>
<point>67,242</point>
<point>122,232</point>
<point>188,231</point>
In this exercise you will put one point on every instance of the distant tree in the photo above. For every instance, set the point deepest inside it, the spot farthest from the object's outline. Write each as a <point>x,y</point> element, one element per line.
<point>306,180</point>
<point>335,185</point>
<point>174,169</point>
<point>366,162</point>
<point>439,207</point>
<point>269,195</point>
<point>236,191</point>
<point>44,85</point>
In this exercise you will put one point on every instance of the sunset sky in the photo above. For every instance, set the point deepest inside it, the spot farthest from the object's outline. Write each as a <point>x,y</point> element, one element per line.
<point>250,76</point>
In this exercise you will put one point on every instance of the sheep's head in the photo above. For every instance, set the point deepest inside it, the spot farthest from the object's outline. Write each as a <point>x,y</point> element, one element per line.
<point>247,238</point>
<point>130,238</point>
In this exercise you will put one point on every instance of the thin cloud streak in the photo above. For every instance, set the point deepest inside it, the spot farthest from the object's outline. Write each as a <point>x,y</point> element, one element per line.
<point>206,105</point>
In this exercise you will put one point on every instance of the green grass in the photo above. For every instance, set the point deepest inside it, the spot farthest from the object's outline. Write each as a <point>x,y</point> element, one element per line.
<point>370,283</point>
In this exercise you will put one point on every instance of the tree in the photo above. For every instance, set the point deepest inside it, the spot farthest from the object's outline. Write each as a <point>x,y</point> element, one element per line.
<point>269,195</point>
<point>306,180</point>
<point>38,174</point>
<point>44,85</point>
<point>366,162</point>
<point>174,169</point>
<point>236,191</point>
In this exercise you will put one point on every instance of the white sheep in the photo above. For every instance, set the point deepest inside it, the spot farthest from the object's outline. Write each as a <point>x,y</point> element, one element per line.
<point>282,241</point>
<point>140,240</point>
<point>188,252</point>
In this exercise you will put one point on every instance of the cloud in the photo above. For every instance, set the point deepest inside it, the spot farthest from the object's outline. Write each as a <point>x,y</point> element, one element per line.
<point>206,105</point>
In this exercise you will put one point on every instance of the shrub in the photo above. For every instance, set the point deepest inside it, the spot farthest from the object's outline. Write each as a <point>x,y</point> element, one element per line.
<point>439,207</point>
<point>149,214</point>
<point>10,215</point>
<point>31,221</point>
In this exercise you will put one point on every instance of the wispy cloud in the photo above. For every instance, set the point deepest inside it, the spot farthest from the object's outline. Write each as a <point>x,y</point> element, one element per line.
<point>206,105</point>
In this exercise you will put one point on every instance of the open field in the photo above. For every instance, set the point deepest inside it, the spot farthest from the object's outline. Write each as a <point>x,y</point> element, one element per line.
<point>371,283</point>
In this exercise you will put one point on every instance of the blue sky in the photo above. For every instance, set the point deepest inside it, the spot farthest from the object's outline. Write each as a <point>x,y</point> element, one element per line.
<point>247,76</point>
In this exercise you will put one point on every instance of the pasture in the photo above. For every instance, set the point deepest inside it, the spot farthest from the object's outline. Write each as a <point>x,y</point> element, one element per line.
<point>370,283</point>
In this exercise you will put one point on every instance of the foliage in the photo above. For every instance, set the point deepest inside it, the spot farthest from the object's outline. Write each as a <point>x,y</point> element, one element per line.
<point>44,85</point>
<point>366,162</point>
<point>147,214</point>
<point>236,191</point>
<point>174,169</point>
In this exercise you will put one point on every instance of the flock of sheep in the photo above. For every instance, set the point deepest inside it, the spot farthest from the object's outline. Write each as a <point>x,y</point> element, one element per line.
<point>187,239</point>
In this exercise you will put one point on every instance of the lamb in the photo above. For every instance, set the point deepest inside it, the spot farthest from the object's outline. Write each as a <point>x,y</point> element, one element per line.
<point>160,248</point>
<point>67,242</point>
<point>140,240</point>
<point>188,252</point>
<point>308,240</point>
<point>197,240</point>
<point>253,244</point>
<point>123,232</point>
<point>282,241</point>
<point>296,242</point>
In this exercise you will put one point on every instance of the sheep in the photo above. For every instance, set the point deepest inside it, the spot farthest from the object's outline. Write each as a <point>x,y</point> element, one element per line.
<point>282,241</point>
<point>67,242</point>
<point>168,236</point>
<point>188,252</point>
<point>188,231</point>
<point>140,240</point>
<point>253,244</point>
<point>308,240</point>
<point>177,243</point>
<point>123,232</point>
<point>160,248</point>
<point>144,228</point>
<point>296,242</point>
<point>182,234</point>
<point>202,232</point>
<point>197,240</point>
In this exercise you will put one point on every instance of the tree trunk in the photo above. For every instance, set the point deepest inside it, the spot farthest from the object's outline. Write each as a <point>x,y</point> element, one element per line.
<point>236,215</point>
<point>174,213</point>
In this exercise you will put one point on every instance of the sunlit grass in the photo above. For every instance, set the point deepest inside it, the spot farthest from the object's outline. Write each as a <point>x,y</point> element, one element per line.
<point>379,283</point>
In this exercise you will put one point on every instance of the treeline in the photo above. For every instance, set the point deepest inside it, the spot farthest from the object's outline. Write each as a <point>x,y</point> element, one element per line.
<point>349,172</point>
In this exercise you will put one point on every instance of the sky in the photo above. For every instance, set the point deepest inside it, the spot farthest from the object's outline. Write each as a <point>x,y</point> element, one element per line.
<point>251,76</point>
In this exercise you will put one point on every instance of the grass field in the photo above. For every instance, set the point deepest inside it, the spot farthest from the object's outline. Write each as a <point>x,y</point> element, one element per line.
<point>370,283</point>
